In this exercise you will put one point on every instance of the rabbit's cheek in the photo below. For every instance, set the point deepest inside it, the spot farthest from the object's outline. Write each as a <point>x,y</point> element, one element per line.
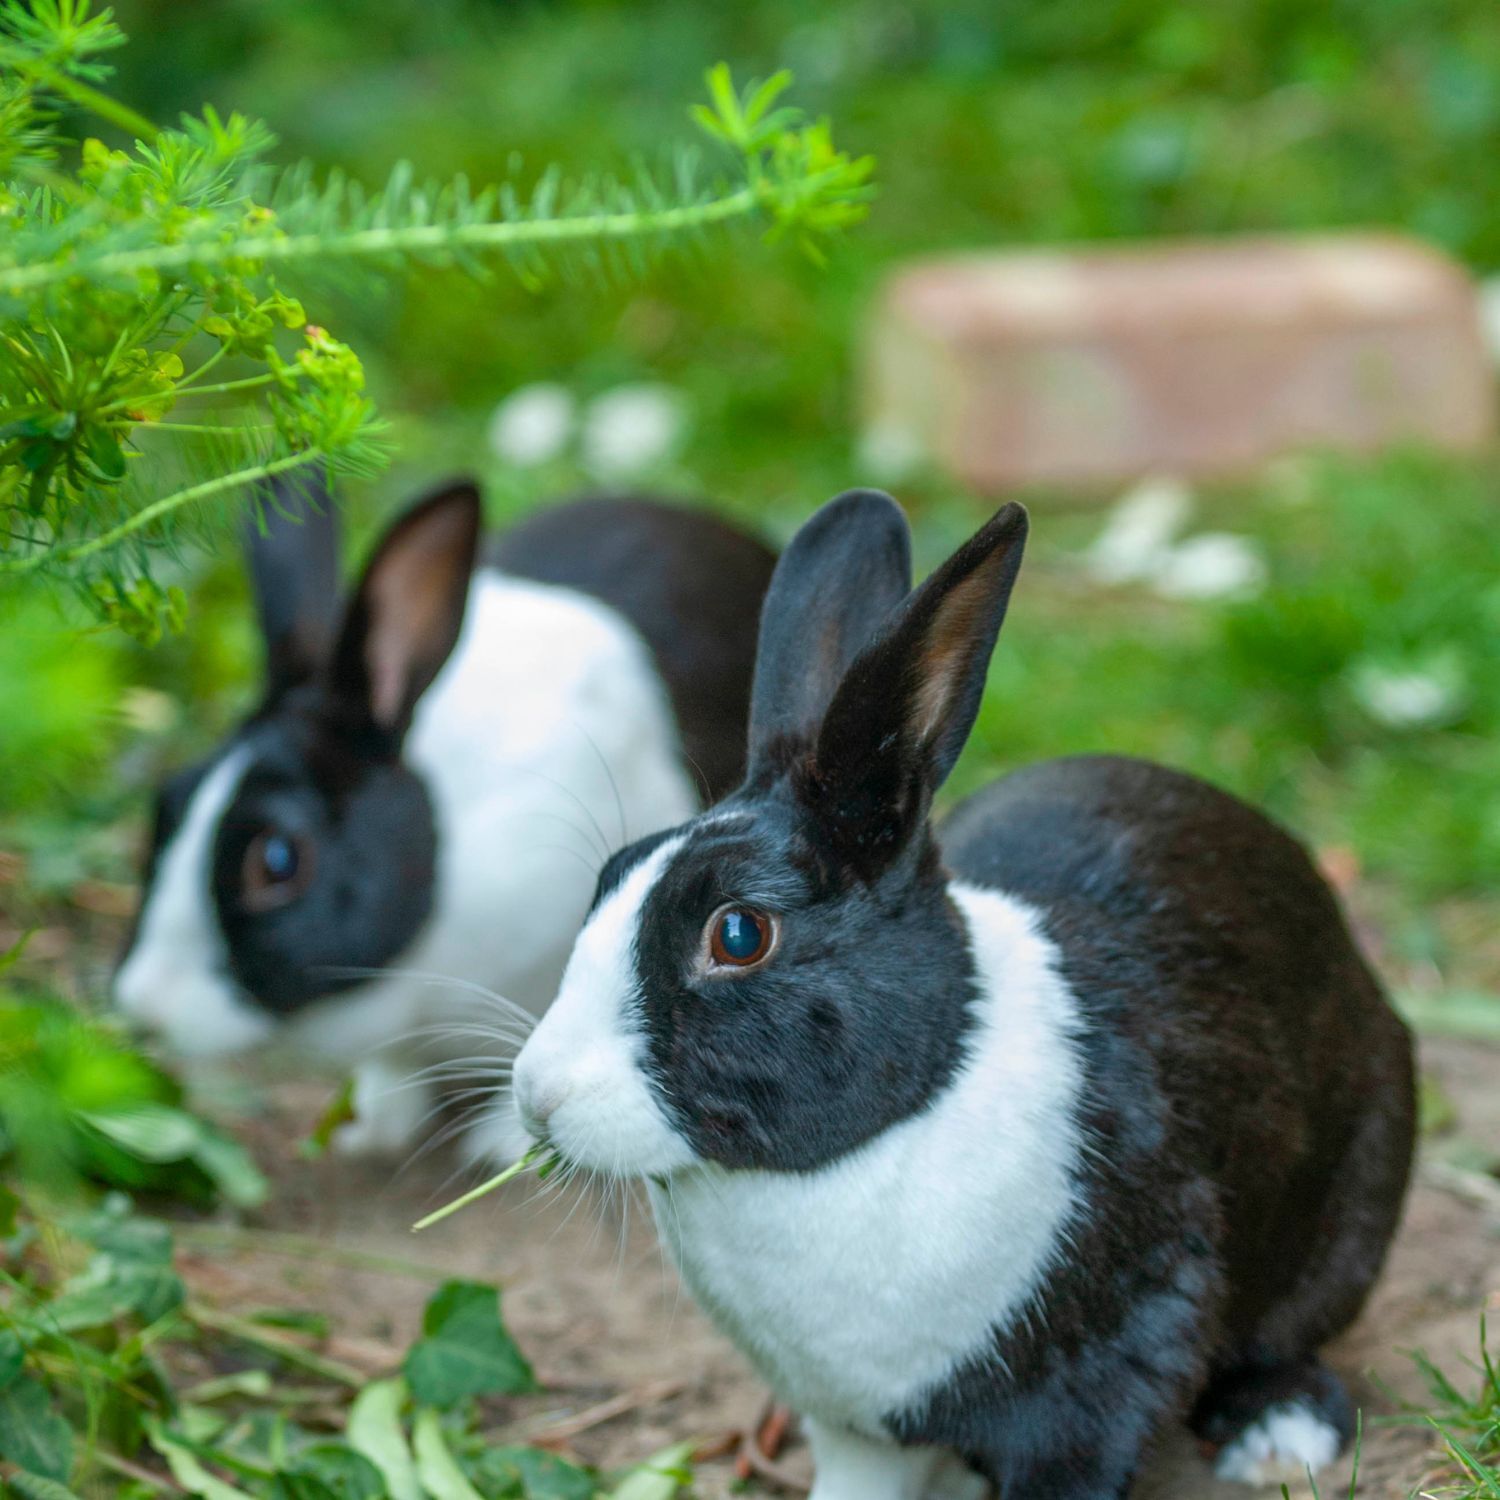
<point>174,976</point>
<point>581,1080</point>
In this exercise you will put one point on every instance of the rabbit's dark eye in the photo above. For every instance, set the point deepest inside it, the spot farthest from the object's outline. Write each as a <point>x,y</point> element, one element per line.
<point>739,938</point>
<point>276,870</point>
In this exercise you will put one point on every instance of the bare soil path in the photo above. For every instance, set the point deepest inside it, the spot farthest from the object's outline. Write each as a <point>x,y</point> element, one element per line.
<point>588,1294</point>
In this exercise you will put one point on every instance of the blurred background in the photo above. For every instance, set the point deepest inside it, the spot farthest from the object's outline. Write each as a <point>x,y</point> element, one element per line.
<point>1329,650</point>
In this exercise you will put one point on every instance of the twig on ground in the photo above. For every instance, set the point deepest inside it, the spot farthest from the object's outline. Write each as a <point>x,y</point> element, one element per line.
<point>123,1466</point>
<point>304,1247</point>
<point>719,1447</point>
<point>1476,1188</point>
<point>756,1462</point>
<point>545,1435</point>
<point>273,1343</point>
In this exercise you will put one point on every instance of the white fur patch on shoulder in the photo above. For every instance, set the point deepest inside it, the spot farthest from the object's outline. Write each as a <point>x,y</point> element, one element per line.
<point>859,1288</point>
<point>1281,1446</point>
<point>175,977</point>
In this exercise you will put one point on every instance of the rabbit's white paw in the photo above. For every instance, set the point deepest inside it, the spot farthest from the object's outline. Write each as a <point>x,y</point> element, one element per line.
<point>389,1110</point>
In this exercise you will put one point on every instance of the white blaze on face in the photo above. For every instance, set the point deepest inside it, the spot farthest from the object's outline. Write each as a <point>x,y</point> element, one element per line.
<point>174,977</point>
<point>581,1076</point>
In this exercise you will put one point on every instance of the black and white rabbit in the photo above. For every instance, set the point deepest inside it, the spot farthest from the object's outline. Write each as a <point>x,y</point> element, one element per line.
<point>436,771</point>
<point>1000,1150</point>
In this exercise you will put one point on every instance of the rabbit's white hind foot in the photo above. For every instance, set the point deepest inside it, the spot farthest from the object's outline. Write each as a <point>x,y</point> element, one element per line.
<point>955,1480</point>
<point>1281,1446</point>
<point>850,1467</point>
<point>389,1110</point>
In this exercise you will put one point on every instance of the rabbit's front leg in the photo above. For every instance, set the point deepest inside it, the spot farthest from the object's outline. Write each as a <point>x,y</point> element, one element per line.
<point>390,1107</point>
<point>848,1466</point>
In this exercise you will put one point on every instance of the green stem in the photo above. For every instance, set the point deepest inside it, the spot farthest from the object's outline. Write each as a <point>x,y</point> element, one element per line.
<point>207,364</point>
<point>304,1247</point>
<point>97,103</point>
<point>283,1348</point>
<point>187,388</point>
<point>195,426</point>
<point>414,239</point>
<point>514,1170</point>
<point>156,510</point>
<point>107,1460</point>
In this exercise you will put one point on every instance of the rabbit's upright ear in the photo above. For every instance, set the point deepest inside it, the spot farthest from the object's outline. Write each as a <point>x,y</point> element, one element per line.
<point>905,707</point>
<point>838,579</point>
<point>292,546</point>
<point>404,619</point>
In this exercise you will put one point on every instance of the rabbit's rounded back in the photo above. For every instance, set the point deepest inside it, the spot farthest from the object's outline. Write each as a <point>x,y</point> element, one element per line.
<point>687,581</point>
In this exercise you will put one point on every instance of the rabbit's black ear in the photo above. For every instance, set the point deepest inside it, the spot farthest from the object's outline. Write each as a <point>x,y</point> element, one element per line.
<point>404,618</point>
<point>841,575</point>
<point>906,705</point>
<point>292,546</point>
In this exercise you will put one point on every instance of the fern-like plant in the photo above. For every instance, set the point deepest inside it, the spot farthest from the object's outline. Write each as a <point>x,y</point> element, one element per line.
<point>154,364</point>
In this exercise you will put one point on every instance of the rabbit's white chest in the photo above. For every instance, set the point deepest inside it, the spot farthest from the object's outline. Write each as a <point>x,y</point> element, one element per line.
<point>858,1288</point>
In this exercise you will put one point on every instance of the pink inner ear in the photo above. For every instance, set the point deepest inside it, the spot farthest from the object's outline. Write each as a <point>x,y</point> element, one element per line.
<point>946,651</point>
<point>411,607</point>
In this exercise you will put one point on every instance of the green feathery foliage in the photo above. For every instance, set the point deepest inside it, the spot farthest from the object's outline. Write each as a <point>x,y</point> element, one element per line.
<point>138,285</point>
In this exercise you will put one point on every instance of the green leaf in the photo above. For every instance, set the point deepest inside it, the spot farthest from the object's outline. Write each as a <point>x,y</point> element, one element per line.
<point>299,1487</point>
<point>113,1288</point>
<point>532,1473</point>
<point>331,1469</point>
<point>466,1350</point>
<point>11,956</point>
<point>9,1206</point>
<point>187,1469</point>
<point>340,1111</point>
<point>33,1436</point>
<point>374,1430</point>
<point>104,451</point>
<point>437,1469</point>
<point>253,1383</point>
<point>12,1357</point>
<point>153,1132</point>
<point>162,1135</point>
<point>35,1487</point>
<point>660,1477</point>
<point>231,1169</point>
<point>1471,1015</point>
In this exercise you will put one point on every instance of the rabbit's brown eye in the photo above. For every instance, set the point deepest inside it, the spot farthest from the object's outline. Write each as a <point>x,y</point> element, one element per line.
<point>739,938</point>
<point>276,870</point>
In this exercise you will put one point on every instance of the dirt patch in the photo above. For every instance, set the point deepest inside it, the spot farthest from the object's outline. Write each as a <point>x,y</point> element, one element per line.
<point>594,1303</point>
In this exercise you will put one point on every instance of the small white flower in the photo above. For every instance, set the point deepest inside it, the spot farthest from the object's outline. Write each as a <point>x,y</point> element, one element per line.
<point>1489,315</point>
<point>1139,531</point>
<point>1412,695</point>
<point>533,425</point>
<point>631,429</point>
<point>148,710</point>
<point>1215,565</point>
<point>888,452</point>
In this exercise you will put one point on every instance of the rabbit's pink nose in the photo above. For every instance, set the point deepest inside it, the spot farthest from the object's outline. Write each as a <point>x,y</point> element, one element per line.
<point>537,1106</point>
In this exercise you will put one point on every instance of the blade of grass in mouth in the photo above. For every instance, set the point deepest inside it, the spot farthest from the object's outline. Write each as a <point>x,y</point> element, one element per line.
<point>532,1157</point>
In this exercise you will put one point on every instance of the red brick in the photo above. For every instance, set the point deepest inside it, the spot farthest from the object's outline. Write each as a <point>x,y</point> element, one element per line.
<point>1200,359</point>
